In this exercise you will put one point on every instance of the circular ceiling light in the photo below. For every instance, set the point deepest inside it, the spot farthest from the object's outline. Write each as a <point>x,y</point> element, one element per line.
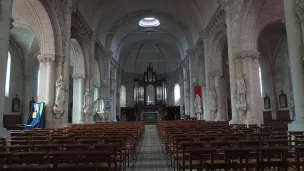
<point>149,22</point>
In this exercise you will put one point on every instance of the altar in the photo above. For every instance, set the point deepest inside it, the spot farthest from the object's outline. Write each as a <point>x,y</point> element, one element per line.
<point>150,96</point>
<point>149,116</point>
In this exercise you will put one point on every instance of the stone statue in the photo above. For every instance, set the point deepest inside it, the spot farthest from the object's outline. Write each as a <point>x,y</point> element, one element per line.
<point>292,106</point>
<point>240,97</point>
<point>212,103</point>
<point>60,89</point>
<point>240,90</point>
<point>88,103</point>
<point>197,105</point>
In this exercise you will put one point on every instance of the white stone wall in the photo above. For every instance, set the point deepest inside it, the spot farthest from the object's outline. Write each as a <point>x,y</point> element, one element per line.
<point>17,82</point>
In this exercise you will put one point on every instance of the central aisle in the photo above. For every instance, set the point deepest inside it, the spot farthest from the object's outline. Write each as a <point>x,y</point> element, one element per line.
<point>151,156</point>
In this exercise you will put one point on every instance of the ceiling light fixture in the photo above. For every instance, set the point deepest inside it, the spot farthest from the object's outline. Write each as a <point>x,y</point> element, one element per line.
<point>149,22</point>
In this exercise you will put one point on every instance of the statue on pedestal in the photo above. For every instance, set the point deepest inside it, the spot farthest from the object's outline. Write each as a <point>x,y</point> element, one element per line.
<point>240,95</point>
<point>88,104</point>
<point>59,100</point>
<point>212,103</point>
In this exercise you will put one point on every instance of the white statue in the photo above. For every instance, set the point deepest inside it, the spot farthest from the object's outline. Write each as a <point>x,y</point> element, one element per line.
<point>60,89</point>
<point>88,101</point>
<point>212,103</point>
<point>197,105</point>
<point>240,90</point>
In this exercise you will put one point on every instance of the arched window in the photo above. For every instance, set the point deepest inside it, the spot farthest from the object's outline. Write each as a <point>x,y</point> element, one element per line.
<point>177,95</point>
<point>123,96</point>
<point>261,83</point>
<point>8,74</point>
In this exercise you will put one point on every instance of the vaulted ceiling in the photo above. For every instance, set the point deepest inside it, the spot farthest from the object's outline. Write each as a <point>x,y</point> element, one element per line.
<point>116,25</point>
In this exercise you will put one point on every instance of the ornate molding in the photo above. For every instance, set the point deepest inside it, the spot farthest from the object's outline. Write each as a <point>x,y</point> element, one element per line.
<point>46,58</point>
<point>78,76</point>
<point>299,8</point>
<point>225,3</point>
<point>216,21</point>
<point>250,56</point>
<point>214,74</point>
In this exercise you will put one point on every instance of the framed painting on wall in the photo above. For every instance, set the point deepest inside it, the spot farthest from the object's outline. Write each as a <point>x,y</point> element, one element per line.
<point>266,102</point>
<point>283,100</point>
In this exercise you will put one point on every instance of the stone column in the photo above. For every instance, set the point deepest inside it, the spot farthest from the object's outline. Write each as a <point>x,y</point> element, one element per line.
<point>68,9</point>
<point>97,93</point>
<point>27,96</point>
<point>191,55</point>
<point>295,48</point>
<point>47,87</point>
<point>118,89</point>
<point>222,113</point>
<point>113,92</point>
<point>186,92</point>
<point>78,99</point>
<point>226,5</point>
<point>181,85</point>
<point>105,75</point>
<point>299,8</point>
<point>5,23</point>
<point>254,111</point>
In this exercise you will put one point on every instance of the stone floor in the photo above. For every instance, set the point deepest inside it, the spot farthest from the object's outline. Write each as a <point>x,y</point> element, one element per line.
<point>151,155</point>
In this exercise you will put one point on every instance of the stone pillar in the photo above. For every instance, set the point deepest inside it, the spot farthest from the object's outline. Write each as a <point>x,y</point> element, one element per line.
<point>254,111</point>
<point>295,48</point>
<point>97,93</point>
<point>186,92</point>
<point>5,23</point>
<point>78,99</point>
<point>27,96</point>
<point>299,8</point>
<point>47,87</point>
<point>113,94</point>
<point>105,75</point>
<point>222,113</point>
<point>226,5</point>
<point>181,85</point>
<point>118,89</point>
<point>191,55</point>
<point>68,9</point>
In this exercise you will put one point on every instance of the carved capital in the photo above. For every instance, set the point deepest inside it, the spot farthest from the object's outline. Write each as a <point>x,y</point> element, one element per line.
<point>214,74</point>
<point>190,53</point>
<point>78,76</point>
<point>59,59</point>
<point>299,8</point>
<point>225,4</point>
<point>246,56</point>
<point>47,59</point>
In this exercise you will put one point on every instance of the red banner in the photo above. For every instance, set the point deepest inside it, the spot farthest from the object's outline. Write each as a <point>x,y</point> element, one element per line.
<point>199,91</point>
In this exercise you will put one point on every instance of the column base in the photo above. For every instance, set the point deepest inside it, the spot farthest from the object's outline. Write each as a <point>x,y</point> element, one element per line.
<point>4,132</point>
<point>234,121</point>
<point>296,126</point>
<point>252,121</point>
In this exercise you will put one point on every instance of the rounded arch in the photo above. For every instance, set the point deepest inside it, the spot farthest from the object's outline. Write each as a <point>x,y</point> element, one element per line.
<point>77,58</point>
<point>256,15</point>
<point>32,14</point>
<point>219,41</point>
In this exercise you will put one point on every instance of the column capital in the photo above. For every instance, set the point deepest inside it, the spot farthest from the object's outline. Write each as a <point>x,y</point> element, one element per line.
<point>78,76</point>
<point>225,4</point>
<point>299,8</point>
<point>190,53</point>
<point>46,58</point>
<point>250,56</point>
<point>214,74</point>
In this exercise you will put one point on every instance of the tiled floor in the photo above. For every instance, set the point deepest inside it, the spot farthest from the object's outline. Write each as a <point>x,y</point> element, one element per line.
<point>151,156</point>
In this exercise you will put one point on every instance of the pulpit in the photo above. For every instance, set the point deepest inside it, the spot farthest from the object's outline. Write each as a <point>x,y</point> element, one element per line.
<point>150,96</point>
